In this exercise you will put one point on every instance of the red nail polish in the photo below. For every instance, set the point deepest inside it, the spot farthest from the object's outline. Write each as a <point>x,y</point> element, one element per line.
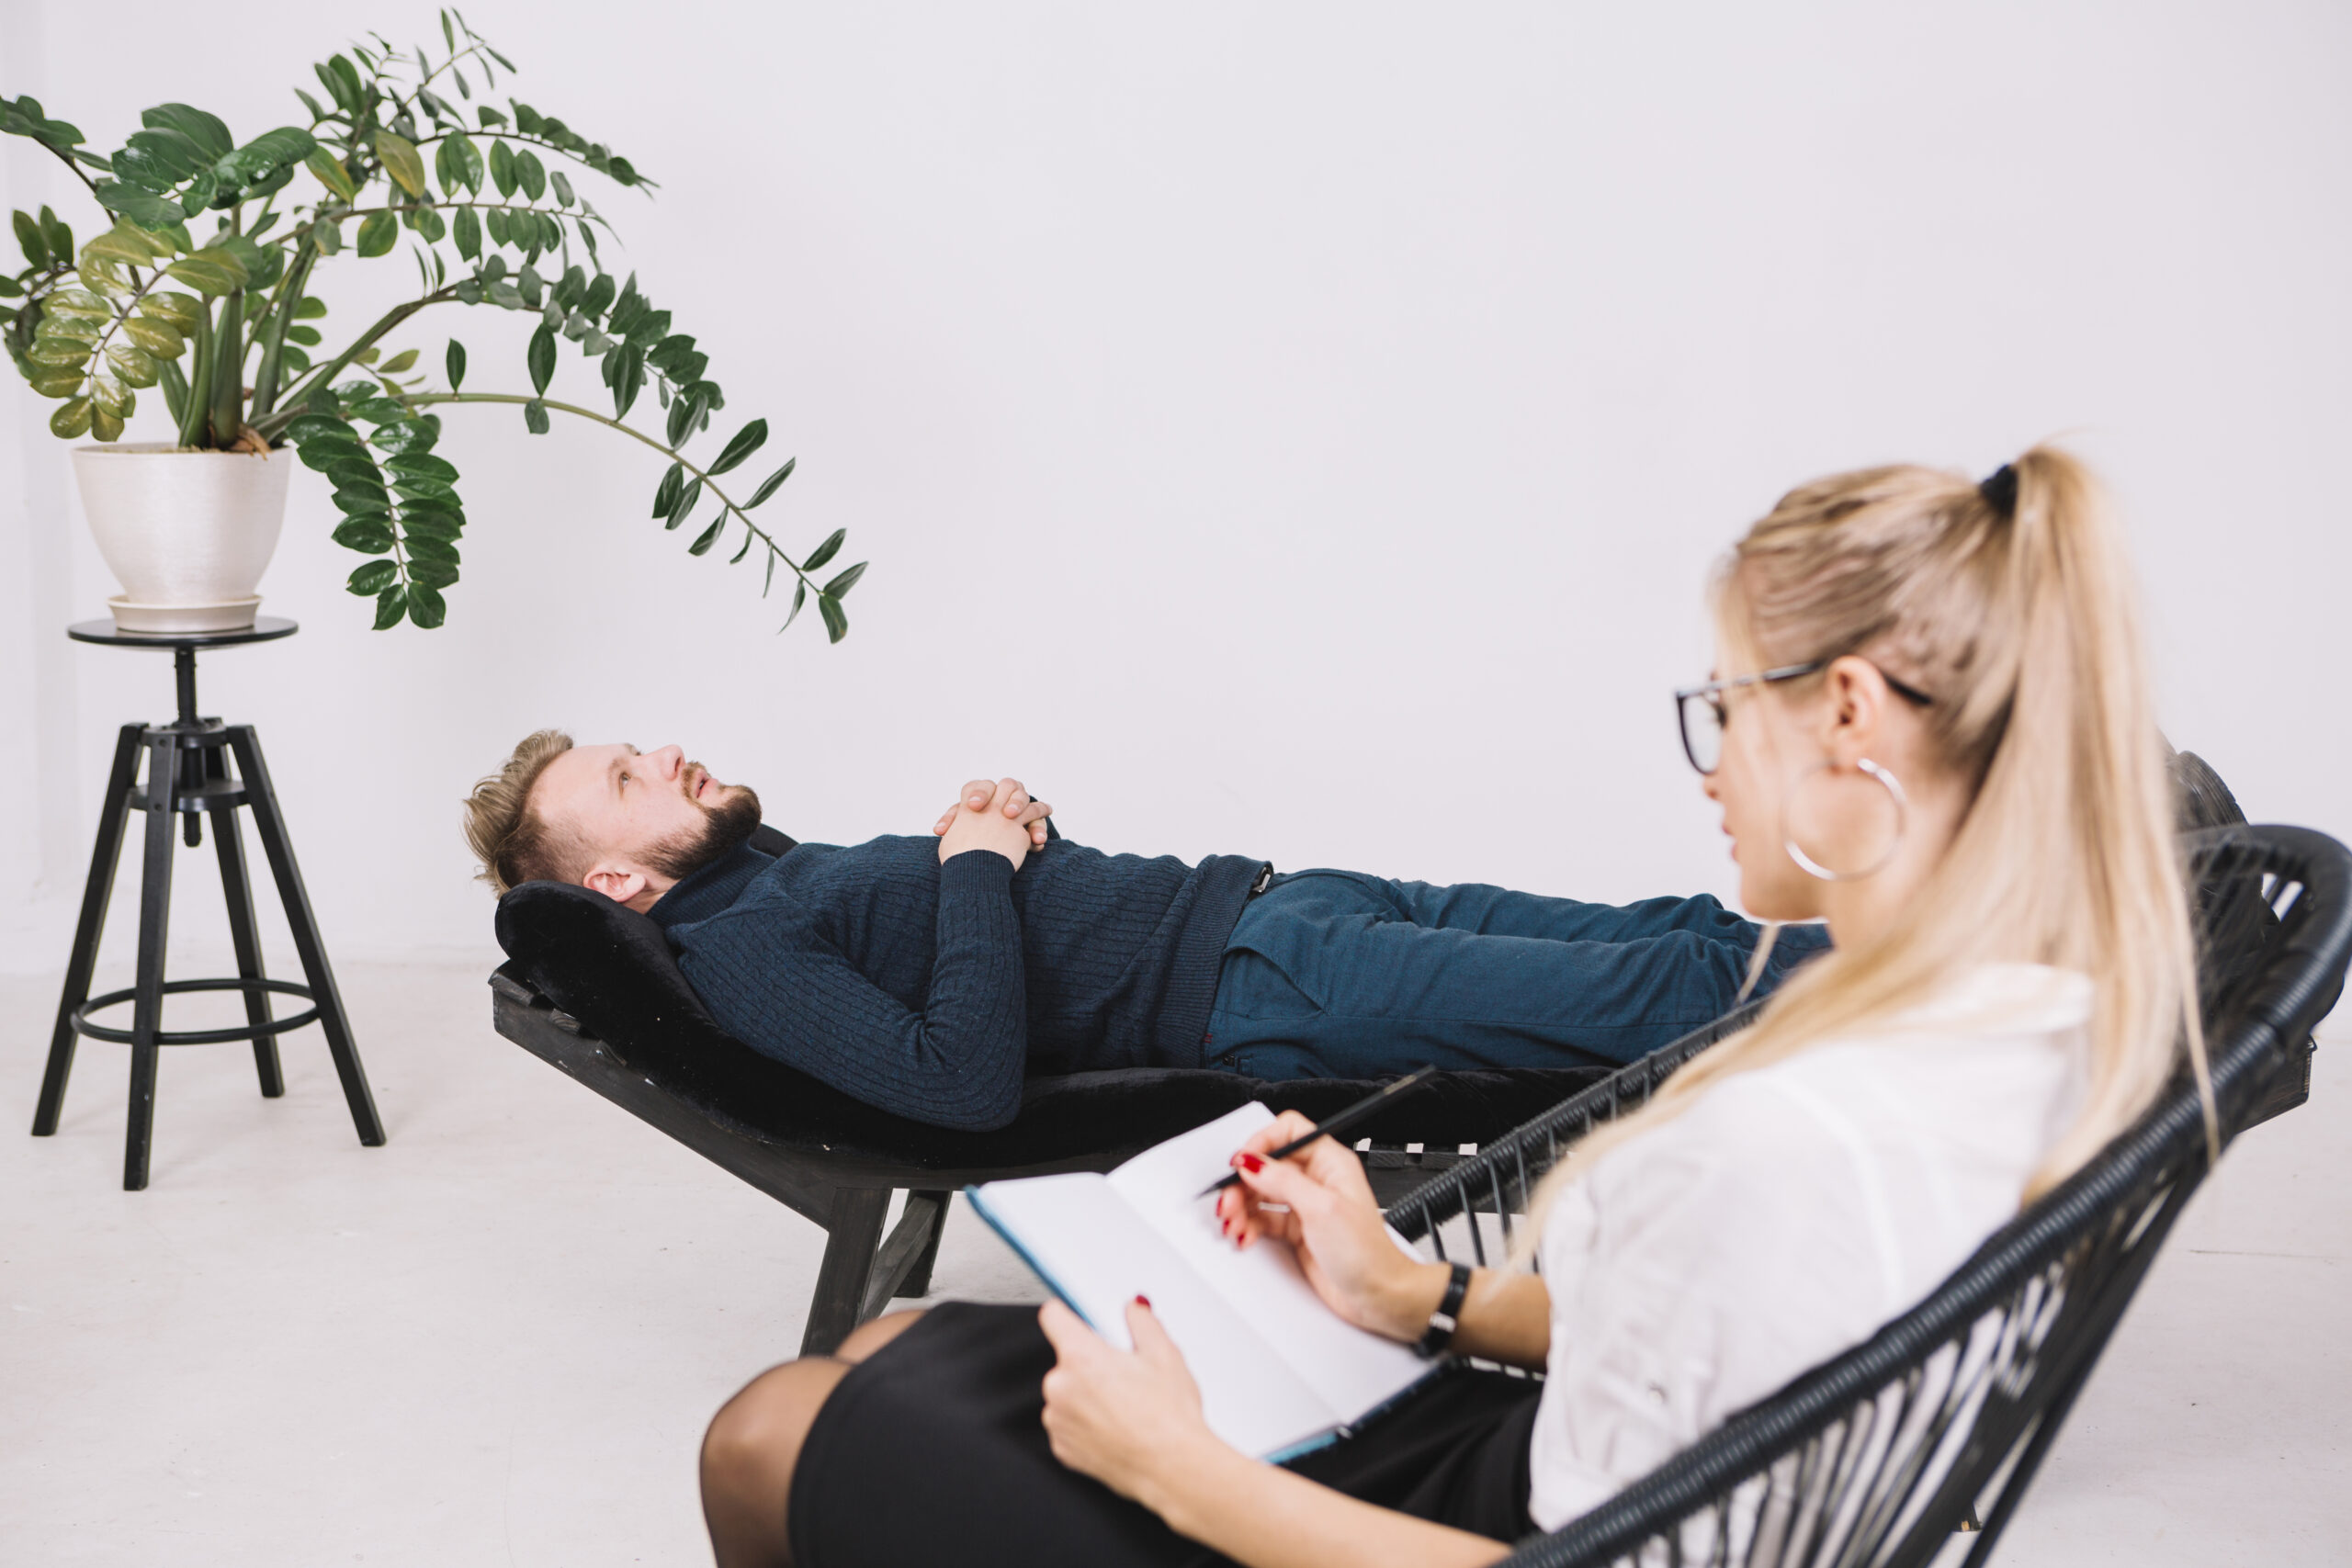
<point>1143,1300</point>
<point>1252,1163</point>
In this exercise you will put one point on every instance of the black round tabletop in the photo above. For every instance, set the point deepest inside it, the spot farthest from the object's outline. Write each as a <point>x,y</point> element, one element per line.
<point>266,628</point>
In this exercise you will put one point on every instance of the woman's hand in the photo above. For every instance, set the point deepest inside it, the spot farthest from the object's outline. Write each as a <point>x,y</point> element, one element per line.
<point>1319,1202</point>
<point>1129,1418</point>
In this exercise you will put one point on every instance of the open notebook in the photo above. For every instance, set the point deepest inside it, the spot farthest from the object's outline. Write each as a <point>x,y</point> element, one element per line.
<point>1279,1371</point>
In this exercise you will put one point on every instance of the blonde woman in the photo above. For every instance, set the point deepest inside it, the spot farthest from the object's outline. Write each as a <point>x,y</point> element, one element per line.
<point>1929,726</point>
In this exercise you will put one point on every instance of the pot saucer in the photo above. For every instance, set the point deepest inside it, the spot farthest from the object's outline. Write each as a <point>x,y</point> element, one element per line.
<point>226,616</point>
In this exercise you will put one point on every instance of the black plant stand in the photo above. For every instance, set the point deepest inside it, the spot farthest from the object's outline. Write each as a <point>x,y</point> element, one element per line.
<point>187,774</point>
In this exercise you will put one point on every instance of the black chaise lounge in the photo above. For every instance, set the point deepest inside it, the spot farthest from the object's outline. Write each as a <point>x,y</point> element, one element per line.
<point>592,988</point>
<point>1934,1427</point>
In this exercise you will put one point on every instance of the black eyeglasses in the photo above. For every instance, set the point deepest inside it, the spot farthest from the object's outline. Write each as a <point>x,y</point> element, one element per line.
<point>1702,714</point>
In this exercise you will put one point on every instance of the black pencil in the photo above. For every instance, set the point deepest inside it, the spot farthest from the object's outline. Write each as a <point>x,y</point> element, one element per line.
<point>1339,1122</point>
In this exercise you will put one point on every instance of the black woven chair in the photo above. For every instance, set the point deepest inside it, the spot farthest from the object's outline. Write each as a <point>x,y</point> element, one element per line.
<point>1936,1426</point>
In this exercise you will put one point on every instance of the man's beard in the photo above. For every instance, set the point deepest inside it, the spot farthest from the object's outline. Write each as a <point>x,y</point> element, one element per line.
<point>723,826</point>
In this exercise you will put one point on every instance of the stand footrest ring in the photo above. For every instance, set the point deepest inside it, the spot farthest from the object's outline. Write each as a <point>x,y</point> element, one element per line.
<point>81,1024</point>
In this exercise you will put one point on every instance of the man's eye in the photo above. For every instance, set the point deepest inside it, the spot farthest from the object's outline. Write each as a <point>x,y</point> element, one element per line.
<point>624,778</point>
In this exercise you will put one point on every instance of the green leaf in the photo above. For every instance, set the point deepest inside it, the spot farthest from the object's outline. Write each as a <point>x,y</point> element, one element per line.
<point>465,227</point>
<point>330,172</point>
<point>209,135</point>
<point>747,441</point>
<point>460,163</point>
<point>839,586</point>
<point>204,273</point>
<point>826,551</point>
<point>685,417</point>
<point>599,296</point>
<point>59,233</point>
<point>306,337</point>
<point>401,161</point>
<point>391,606</point>
<point>323,452</point>
<point>30,240</point>
<point>502,168</point>
<point>768,580</point>
<point>72,418</point>
<point>666,494</point>
<point>737,559</point>
<point>157,160</point>
<point>768,485</point>
<point>454,361</point>
<point>800,597</point>
<point>318,427</point>
<point>425,606</point>
<point>378,233</point>
<point>182,311</point>
<point>688,499</point>
<point>374,577</point>
<point>708,537</point>
<point>367,536</point>
<point>628,379</point>
<point>836,618</point>
<point>79,302</point>
<point>535,417</point>
<point>396,362</point>
<point>422,466</point>
<point>142,207</point>
<point>310,310</point>
<point>353,495</point>
<point>530,173</point>
<point>158,338</point>
<point>542,359</point>
<point>563,196</point>
<point>132,363</point>
<point>111,397</point>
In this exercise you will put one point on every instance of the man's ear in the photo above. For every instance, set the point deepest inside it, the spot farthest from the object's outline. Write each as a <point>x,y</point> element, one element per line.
<point>619,884</point>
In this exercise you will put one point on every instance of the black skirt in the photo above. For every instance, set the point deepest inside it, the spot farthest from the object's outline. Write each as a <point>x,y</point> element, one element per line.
<point>933,1451</point>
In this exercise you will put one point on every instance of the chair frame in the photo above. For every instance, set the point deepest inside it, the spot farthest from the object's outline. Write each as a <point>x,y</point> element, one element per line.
<point>849,1197</point>
<point>1793,1479</point>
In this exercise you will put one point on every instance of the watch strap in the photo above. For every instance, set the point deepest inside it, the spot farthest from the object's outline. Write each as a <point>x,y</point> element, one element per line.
<point>1439,1337</point>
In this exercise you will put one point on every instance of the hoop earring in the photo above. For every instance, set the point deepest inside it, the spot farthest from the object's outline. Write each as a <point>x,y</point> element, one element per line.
<point>1812,867</point>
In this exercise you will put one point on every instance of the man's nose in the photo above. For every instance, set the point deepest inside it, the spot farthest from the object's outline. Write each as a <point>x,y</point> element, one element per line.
<point>670,758</point>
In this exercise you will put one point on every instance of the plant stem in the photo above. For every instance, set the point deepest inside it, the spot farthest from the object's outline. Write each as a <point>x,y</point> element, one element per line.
<point>289,295</point>
<point>199,402</point>
<point>418,400</point>
<point>227,392</point>
<point>269,425</point>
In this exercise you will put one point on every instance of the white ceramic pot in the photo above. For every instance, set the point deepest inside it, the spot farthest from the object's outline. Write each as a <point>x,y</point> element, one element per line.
<point>186,533</point>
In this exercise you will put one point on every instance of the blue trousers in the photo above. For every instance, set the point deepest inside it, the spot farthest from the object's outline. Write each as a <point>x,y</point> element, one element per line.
<point>1332,974</point>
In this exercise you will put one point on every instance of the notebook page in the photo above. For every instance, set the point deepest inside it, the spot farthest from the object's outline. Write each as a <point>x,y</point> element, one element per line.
<point>1086,1243</point>
<point>1353,1372</point>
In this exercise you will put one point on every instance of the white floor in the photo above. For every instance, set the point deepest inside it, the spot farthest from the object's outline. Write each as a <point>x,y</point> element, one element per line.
<point>496,1339</point>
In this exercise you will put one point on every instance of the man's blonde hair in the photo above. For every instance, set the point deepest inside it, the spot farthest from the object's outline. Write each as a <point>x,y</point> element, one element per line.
<point>515,843</point>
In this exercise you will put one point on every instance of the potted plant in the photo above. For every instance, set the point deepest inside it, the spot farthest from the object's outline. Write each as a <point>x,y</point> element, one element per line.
<point>227,325</point>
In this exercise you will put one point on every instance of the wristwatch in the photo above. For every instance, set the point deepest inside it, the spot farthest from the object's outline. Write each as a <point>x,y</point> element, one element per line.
<point>1439,1335</point>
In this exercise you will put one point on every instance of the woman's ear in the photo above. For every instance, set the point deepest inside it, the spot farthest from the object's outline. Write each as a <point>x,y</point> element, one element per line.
<point>1854,717</point>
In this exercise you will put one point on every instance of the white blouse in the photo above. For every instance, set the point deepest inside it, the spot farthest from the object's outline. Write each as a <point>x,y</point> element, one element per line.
<point>1786,1214</point>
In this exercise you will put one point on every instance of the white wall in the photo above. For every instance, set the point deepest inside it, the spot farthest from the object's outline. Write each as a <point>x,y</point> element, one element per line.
<point>1298,431</point>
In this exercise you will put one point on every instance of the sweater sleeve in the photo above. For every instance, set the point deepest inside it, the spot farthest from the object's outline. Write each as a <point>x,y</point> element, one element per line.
<point>958,1063</point>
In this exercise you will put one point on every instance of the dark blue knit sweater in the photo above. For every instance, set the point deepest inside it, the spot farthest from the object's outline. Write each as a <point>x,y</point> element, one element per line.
<point>931,990</point>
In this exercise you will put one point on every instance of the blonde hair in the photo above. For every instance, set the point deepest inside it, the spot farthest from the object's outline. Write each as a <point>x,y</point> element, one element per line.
<point>514,843</point>
<point>2022,624</point>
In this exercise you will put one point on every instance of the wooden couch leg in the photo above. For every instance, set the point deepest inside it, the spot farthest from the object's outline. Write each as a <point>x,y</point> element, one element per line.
<point>852,1234</point>
<point>918,1279</point>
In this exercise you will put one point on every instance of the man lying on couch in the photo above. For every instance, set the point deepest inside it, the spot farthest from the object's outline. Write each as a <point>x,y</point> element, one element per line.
<point>929,976</point>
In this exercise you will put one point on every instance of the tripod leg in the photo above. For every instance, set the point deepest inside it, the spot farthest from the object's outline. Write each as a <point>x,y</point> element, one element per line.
<point>237,888</point>
<point>274,843</point>
<point>154,920</point>
<point>95,895</point>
